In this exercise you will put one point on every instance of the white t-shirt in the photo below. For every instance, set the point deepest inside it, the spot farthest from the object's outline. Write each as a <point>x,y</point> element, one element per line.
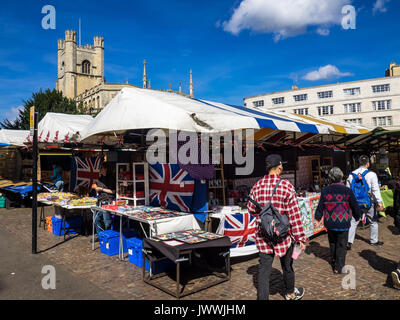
<point>372,180</point>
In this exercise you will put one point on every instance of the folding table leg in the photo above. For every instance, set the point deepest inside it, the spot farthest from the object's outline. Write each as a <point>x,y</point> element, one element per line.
<point>178,279</point>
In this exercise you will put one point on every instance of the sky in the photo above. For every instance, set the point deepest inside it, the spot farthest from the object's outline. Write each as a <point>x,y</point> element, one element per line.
<point>236,48</point>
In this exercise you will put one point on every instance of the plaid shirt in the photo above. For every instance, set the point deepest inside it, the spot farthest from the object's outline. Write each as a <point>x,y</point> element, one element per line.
<point>285,201</point>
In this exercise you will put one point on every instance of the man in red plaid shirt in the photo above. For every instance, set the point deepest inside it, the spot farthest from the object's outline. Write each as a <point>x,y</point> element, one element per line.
<point>285,201</point>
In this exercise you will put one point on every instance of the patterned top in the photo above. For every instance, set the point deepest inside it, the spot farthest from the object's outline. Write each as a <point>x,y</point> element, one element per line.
<point>285,201</point>
<point>337,205</point>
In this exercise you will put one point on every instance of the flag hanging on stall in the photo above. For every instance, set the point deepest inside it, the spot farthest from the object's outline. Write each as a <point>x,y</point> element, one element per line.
<point>171,187</point>
<point>84,172</point>
<point>241,229</point>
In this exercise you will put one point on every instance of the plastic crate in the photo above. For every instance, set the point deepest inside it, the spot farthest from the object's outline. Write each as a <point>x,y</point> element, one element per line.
<point>135,256</point>
<point>49,224</point>
<point>109,242</point>
<point>72,223</point>
<point>2,202</point>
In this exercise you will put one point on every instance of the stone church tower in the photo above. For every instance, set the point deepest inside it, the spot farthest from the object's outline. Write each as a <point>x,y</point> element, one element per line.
<point>81,74</point>
<point>80,68</point>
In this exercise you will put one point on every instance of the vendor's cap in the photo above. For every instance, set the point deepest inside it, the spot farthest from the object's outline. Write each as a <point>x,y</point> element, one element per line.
<point>274,160</point>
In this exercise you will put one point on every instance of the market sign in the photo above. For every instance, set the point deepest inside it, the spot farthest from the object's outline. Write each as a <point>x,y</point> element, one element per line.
<point>32,121</point>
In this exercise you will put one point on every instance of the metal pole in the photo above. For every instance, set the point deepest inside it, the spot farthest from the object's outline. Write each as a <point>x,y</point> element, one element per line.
<point>295,160</point>
<point>34,186</point>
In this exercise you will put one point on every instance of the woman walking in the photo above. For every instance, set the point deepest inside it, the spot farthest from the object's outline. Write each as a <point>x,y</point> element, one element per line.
<point>337,205</point>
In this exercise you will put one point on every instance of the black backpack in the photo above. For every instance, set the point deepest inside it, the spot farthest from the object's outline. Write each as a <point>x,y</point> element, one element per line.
<point>274,226</point>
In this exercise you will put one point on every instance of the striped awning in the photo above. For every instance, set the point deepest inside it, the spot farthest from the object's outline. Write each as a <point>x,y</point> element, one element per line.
<point>136,109</point>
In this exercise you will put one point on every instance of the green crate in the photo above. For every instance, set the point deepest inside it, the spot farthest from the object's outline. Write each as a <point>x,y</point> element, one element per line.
<point>2,202</point>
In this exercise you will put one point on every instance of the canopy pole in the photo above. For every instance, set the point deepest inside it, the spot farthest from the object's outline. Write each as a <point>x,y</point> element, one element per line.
<point>295,160</point>
<point>34,185</point>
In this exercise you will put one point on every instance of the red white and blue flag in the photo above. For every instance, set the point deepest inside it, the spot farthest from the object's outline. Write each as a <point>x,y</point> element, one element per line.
<point>171,187</point>
<point>84,172</point>
<point>241,229</point>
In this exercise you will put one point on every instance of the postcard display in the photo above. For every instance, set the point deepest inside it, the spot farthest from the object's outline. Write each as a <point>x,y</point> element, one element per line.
<point>308,206</point>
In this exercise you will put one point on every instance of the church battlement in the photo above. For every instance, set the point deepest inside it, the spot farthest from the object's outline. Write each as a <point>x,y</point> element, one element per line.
<point>98,42</point>
<point>70,35</point>
<point>61,44</point>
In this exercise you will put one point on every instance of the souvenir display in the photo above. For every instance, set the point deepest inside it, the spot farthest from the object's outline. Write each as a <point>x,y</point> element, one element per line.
<point>173,243</point>
<point>210,236</point>
<point>191,239</point>
<point>66,198</point>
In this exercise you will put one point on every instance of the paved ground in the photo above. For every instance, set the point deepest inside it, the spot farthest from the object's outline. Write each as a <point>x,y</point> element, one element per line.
<point>95,275</point>
<point>21,275</point>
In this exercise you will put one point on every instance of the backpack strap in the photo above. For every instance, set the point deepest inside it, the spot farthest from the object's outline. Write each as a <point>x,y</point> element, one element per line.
<point>365,173</point>
<point>273,192</point>
<point>276,187</point>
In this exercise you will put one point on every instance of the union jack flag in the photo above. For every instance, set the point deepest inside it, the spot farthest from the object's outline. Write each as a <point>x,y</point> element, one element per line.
<point>241,229</point>
<point>171,187</point>
<point>84,172</point>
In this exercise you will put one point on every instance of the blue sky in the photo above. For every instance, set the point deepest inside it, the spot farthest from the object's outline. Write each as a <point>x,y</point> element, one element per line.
<point>236,48</point>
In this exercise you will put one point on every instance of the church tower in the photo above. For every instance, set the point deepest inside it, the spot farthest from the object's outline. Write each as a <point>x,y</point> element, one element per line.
<point>80,68</point>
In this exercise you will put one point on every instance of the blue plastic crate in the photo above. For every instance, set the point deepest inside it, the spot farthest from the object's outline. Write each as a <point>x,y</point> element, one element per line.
<point>109,242</point>
<point>135,256</point>
<point>74,224</point>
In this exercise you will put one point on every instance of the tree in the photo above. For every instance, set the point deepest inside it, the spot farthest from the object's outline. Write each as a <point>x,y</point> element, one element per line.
<point>47,101</point>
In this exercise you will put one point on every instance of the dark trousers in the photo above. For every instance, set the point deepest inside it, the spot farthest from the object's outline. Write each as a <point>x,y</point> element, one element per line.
<point>338,245</point>
<point>265,269</point>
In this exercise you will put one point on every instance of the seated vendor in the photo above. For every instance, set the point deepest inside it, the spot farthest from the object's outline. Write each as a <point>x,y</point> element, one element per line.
<point>105,194</point>
<point>57,177</point>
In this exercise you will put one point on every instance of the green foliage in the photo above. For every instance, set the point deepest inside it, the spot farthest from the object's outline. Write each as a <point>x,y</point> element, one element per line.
<point>47,101</point>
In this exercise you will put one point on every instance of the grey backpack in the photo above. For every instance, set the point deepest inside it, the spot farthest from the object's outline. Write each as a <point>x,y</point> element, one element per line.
<point>274,226</point>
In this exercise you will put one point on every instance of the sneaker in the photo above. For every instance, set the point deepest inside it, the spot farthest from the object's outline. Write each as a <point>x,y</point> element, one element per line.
<point>396,279</point>
<point>379,243</point>
<point>298,294</point>
<point>348,246</point>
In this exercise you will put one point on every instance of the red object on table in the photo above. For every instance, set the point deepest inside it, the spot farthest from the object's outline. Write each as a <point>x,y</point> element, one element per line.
<point>139,194</point>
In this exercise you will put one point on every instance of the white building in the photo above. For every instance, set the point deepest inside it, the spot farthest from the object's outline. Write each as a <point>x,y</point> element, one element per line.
<point>371,103</point>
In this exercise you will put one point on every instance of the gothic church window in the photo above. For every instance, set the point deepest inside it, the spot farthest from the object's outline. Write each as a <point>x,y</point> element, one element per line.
<point>86,67</point>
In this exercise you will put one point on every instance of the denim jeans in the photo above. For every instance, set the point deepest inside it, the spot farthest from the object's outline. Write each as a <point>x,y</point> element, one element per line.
<point>106,219</point>
<point>265,269</point>
<point>60,185</point>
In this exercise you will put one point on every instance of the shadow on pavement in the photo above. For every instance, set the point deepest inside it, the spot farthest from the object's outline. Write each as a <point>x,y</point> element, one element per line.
<point>58,244</point>
<point>394,230</point>
<point>276,285</point>
<point>319,251</point>
<point>380,264</point>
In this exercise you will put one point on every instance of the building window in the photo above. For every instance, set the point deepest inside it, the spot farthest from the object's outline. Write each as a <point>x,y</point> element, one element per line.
<point>258,103</point>
<point>381,88</point>
<point>86,67</point>
<point>354,121</point>
<point>303,111</point>
<point>300,97</point>
<point>382,121</point>
<point>325,94</point>
<point>278,100</point>
<point>352,107</point>
<point>325,110</point>
<point>381,105</point>
<point>352,92</point>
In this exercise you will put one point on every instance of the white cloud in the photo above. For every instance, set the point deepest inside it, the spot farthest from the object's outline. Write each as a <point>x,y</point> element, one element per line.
<point>12,115</point>
<point>325,73</point>
<point>286,18</point>
<point>379,6</point>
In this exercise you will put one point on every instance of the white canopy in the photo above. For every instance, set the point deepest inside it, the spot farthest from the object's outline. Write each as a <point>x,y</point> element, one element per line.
<point>60,127</point>
<point>14,137</point>
<point>135,108</point>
